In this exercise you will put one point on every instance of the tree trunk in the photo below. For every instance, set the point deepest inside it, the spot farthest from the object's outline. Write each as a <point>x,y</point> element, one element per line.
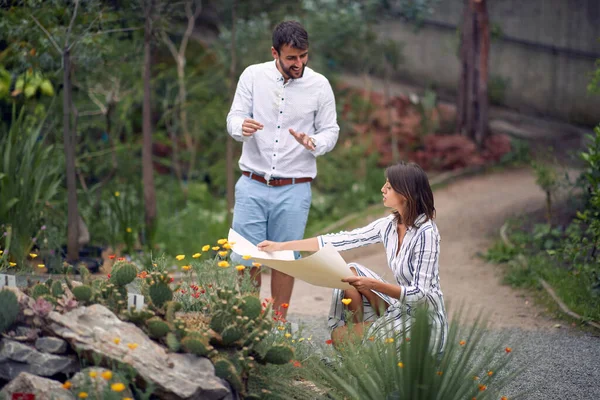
<point>472,119</point>
<point>147,168</point>
<point>69,145</point>
<point>388,106</point>
<point>229,155</point>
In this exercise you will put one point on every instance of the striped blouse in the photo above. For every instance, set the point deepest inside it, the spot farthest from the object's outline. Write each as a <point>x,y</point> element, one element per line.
<point>415,267</point>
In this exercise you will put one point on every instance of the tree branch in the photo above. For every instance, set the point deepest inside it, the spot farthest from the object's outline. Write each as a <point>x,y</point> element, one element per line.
<point>47,34</point>
<point>71,24</point>
<point>170,45</point>
<point>104,32</point>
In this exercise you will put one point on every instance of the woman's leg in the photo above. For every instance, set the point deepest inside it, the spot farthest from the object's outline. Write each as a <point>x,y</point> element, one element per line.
<point>378,304</point>
<point>353,333</point>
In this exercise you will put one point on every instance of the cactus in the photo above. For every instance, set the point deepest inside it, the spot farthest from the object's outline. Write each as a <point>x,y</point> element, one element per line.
<point>123,273</point>
<point>56,289</point>
<point>9,310</point>
<point>231,334</point>
<point>160,293</point>
<point>82,293</point>
<point>49,298</point>
<point>278,354</point>
<point>196,344</point>
<point>49,283</point>
<point>172,342</point>
<point>138,317</point>
<point>157,328</point>
<point>172,307</point>
<point>251,307</point>
<point>39,290</point>
<point>220,320</point>
<point>225,369</point>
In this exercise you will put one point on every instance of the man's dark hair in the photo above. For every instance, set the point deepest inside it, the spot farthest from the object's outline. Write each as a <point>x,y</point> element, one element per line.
<point>291,33</point>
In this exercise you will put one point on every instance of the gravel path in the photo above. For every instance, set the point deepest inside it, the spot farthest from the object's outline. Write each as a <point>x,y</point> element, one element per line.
<point>559,362</point>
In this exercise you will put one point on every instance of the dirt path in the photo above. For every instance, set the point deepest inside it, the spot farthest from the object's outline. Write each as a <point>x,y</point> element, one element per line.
<point>469,214</point>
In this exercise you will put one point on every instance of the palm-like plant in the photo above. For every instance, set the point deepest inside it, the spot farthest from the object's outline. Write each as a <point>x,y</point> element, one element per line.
<point>403,366</point>
<point>30,177</point>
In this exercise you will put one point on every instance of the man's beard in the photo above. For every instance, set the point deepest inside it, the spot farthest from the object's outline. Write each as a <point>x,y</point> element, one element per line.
<point>288,71</point>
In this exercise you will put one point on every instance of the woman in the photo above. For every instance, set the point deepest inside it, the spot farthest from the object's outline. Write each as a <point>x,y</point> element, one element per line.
<point>412,244</point>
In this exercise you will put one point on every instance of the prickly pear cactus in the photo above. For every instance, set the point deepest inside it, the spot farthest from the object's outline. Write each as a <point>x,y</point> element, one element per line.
<point>57,289</point>
<point>39,290</point>
<point>225,369</point>
<point>157,328</point>
<point>158,288</point>
<point>82,293</point>
<point>251,306</point>
<point>173,342</point>
<point>9,309</point>
<point>279,354</point>
<point>197,344</point>
<point>123,273</point>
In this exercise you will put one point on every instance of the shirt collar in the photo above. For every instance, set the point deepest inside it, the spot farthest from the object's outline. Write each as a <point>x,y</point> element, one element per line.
<point>421,219</point>
<point>276,74</point>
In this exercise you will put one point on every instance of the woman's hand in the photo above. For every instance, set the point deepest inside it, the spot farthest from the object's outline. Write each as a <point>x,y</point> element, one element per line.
<point>269,246</point>
<point>361,282</point>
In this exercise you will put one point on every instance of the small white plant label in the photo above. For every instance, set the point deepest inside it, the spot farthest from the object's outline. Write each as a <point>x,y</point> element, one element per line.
<point>8,280</point>
<point>135,300</point>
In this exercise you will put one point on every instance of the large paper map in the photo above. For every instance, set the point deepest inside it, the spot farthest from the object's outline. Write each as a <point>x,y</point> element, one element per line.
<point>324,268</point>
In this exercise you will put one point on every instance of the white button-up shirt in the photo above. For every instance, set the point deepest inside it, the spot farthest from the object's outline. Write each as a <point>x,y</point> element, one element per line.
<point>305,105</point>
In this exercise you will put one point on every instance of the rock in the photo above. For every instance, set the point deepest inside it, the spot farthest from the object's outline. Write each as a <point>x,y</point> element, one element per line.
<point>26,332</point>
<point>41,388</point>
<point>174,376</point>
<point>18,357</point>
<point>51,345</point>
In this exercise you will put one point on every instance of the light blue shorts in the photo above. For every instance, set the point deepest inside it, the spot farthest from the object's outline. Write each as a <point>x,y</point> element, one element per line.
<point>264,212</point>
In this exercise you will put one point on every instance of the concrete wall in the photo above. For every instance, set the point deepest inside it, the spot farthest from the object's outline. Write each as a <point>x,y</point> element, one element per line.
<point>546,52</point>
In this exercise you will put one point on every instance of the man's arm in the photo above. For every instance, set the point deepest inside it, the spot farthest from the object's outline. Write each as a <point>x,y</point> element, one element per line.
<point>241,108</point>
<point>326,127</point>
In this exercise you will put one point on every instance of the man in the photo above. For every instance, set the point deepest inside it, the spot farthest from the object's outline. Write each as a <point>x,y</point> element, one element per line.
<point>284,113</point>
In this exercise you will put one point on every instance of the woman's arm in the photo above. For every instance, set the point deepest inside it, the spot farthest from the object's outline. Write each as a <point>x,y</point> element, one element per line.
<point>365,283</point>
<point>310,244</point>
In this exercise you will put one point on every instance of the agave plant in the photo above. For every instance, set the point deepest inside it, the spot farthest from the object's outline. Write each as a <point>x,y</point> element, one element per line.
<point>403,366</point>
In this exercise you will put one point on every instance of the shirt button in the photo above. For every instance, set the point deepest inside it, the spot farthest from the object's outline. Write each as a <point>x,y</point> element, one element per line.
<point>273,167</point>
<point>282,98</point>
<point>276,141</point>
<point>277,126</point>
<point>280,112</point>
<point>274,155</point>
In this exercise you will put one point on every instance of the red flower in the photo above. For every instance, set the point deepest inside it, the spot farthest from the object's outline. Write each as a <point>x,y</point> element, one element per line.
<point>121,259</point>
<point>195,295</point>
<point>112,256</point>
<point>507,350</point>
<point>183,291</point>
<point>329,341</point>
<point>296,363</point>
<point>285,305</point>
<point>171,280</point>
<point>108,276</point>
<point>203,291</point>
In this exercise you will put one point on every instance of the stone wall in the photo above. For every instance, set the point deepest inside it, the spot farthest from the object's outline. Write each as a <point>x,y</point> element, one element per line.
<point>544,50</point>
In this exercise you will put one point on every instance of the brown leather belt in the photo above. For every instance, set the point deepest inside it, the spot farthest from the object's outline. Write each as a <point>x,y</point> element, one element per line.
<point>276,181</point>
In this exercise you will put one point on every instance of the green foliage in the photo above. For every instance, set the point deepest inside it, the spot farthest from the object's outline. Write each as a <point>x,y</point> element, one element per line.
<point>497,87</point>
<point>30,177</point>
<point>196,344</point>
<point>39,290</point>
<point>157,328</point>
<point>404,367</point>
<point>83,293</point>
<point>57,289</point>
<point>9,310</point>
<point>278,355</point>
<point>123,273</point>
<point>594,85</point>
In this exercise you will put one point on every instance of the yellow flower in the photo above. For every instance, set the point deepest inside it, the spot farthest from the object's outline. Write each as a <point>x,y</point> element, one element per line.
<point>240,267</point>
<point>180,257</point>
<point>440,373</point>
<point>389,340</point>
<point>41,266</point>
<point>288,335</point>
<point>222,241</point>
<point>82,395</point>
<point>117,387</point>
<point>67,385</point>
<point>132,346</point>
<point>117,340</point>
<point>256,265</point>
<point>107,375</point>
<point>401,365</point>
<point>186,267</point>
<point>127,398</point>
<point>223,264</point>
<point>346,301</point>
<point>93,374</point>
<point>246,257</point>
<point>281,328</point>
<point>129,230</point>
<point>223,253</point>
<point>1,252</point>
<point>32,255</point>
<point>215,248</point>
<point>12,264</point>
<point>196,255</point>
<point>227,246</point>
<point>117,194</point>
<point>206,248</point>
<point>301,339</point>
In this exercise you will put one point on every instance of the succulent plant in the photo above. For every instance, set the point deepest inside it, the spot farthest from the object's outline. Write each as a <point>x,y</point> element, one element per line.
<point>39,290</point>
<point>172,342</point>
<point>56,288</point>
<point>197,344</point>
<point>157,328</point>
<point>231,334</point>
<point>82,293</point>
<point>123,273</point>
<point>160,293</point>
<point>37,310</point>
<point>66,303</point>
<point>9,311</point>
<point>251,307</point>
<point>278,354</point>
<point>225,369</point>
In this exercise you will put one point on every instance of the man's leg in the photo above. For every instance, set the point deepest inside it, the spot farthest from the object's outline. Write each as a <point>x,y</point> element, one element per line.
<point>288,213</point>
<point>250,219</point>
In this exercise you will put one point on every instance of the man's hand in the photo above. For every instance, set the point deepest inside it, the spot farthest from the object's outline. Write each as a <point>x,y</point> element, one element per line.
<point>361,282</point>
<point>269,246</point>
<point>250,126</point>
<point>303,139</point>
